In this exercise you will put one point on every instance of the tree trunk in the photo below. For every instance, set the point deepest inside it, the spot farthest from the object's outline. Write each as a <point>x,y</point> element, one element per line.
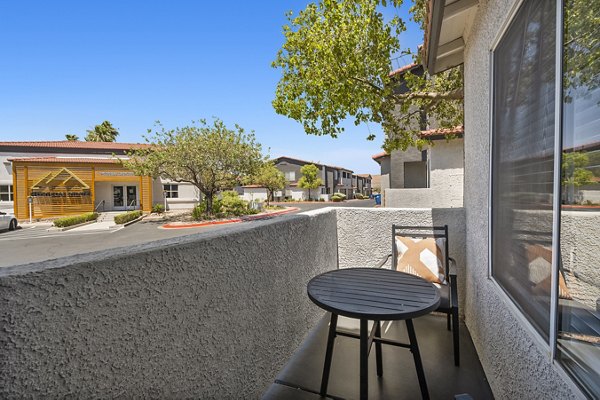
<point>308,194</point>
<point>209,203</point>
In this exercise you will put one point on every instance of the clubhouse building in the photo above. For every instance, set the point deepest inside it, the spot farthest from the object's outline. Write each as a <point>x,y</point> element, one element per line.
<point>71,177</point>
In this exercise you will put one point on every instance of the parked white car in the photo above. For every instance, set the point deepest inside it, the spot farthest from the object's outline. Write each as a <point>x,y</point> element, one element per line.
<point>7,221</point>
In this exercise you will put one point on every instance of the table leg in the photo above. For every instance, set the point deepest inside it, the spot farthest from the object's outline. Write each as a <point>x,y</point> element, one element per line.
<point>414,348</point>
<point>328,354</point>
<point>378,356</point>
<point>364,359</point>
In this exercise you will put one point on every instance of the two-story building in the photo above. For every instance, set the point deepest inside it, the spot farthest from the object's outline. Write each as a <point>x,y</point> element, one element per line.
<point>60,178</point>
<point>335,179</point>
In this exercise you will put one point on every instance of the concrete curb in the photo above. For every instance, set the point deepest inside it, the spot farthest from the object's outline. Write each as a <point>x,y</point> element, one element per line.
<point>229,221</point>
<point>133,221</point>
<point>68,228</point>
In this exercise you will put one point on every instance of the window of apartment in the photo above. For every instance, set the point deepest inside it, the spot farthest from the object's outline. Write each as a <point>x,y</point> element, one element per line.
<point>171,191</point>
<point>6,193</point>
<point>546,179</point>
<point>290,176</point>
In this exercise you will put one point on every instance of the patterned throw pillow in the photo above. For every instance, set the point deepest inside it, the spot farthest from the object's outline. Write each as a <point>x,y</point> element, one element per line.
<point>539,258</point>
<point>422,257</point>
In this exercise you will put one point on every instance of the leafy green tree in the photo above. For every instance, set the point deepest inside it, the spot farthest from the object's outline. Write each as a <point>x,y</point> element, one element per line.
<point>270,178</point>
<point>71,137</point>
<point>211,157</point>
<point>335,64</point>
<point>310,179</point>
<point>104,132</point>
<point>575,174</point>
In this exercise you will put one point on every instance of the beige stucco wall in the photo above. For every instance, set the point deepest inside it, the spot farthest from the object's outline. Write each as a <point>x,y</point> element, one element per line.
<point>213,315</point>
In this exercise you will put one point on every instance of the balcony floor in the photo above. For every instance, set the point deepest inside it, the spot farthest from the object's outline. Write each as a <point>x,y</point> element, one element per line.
<point>301,377</point>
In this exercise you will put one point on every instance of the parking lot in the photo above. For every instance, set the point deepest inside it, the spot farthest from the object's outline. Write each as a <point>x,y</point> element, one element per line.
<point>33,244</point>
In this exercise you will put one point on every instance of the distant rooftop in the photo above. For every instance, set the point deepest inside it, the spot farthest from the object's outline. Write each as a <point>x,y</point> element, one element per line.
<point>68,144</point>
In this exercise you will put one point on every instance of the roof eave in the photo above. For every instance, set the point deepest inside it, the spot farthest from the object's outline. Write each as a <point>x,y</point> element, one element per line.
<point>444,42</point>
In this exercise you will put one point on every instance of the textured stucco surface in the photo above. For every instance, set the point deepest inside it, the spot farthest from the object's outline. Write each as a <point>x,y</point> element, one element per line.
<point>515,364</point>
<point>205,316</point>
<point>365,235</point>
<point>580,249</point>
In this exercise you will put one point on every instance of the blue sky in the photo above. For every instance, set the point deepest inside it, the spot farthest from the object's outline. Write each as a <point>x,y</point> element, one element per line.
<point>68,65</point>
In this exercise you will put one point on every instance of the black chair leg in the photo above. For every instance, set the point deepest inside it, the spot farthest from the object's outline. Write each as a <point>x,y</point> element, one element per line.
<point>364,359</point>
<point>455,335</point>
<point>328,354</point>
<point>414,348</point>
<point>448,321</point>
<point>378,356</point>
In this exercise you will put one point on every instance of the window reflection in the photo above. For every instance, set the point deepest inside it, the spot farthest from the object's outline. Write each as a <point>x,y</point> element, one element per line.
<point>579,296</point>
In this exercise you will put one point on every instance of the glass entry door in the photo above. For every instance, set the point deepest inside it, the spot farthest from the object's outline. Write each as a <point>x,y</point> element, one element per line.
<point>118,197</point>
<point>125,197</point>
<point>131,196</point>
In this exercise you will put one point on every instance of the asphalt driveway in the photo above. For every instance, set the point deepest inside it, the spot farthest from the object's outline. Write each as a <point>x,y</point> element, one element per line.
<point>34,244</point>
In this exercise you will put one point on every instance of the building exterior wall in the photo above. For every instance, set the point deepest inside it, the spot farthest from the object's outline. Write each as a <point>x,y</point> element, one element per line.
<point>397,160</point>
<point>255,194</point>
<point>57,202</point>
<point>201,316</point>
<point>515,362</point>
<point>446,180</point>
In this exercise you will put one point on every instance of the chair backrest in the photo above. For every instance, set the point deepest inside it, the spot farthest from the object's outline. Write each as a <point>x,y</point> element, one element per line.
<point>435,232</point>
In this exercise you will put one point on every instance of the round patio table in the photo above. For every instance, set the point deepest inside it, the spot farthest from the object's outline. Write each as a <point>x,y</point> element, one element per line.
<point>373,294</point>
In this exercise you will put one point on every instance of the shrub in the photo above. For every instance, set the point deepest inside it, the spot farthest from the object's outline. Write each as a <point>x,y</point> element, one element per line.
<point>336,198</point>
<point>321,199</point>
<point>158,208</point>
<point>128,216</point>
<point>233,204</point>
<point>340,195</point>
<point>75,219</point>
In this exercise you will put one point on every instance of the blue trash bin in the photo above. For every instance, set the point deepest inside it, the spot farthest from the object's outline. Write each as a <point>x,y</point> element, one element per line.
<point>377,199</point>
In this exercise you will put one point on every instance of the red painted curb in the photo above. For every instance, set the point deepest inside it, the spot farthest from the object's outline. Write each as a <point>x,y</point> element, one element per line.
<point>229,221</point>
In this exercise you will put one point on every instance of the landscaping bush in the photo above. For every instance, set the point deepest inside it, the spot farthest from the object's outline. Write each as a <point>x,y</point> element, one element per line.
<point>230,205</point>
<point>75,219</point>
<point>128,216</point>
<point>336,198</point>
<point>158,209</point>
<point>321,199</point>
<point>340,195</point>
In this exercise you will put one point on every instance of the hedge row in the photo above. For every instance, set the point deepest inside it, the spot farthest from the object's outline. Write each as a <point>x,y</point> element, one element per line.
<point>76,219</point>
<point>128,216</point>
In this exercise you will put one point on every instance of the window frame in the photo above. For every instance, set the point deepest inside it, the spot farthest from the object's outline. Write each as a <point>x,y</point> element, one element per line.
<point>10,192</point>
<point>168,193</point>
<point>549,345</point>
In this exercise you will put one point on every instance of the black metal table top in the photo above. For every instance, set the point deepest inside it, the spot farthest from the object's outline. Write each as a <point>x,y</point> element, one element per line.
<point>373,293</point>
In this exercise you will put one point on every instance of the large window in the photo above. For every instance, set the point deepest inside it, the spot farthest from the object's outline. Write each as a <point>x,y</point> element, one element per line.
<point>523,159</point>
<point>545,219</point>
<point>6,193</point>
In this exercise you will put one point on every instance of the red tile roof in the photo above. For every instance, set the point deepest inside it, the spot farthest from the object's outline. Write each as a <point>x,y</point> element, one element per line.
<point>364,175</point>
<point>431,133</point>
<point>379,155</point>
<point>67,144</point>
<point>66,160</point>
<point>457,130</point>
<point>403,69</point>
<point>253,186</point>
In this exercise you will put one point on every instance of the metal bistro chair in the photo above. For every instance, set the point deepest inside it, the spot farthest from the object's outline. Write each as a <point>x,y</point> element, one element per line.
<point>446,286</point>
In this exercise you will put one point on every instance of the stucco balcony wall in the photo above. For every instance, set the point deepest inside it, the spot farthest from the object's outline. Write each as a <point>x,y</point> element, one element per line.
<point>213,315</point>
